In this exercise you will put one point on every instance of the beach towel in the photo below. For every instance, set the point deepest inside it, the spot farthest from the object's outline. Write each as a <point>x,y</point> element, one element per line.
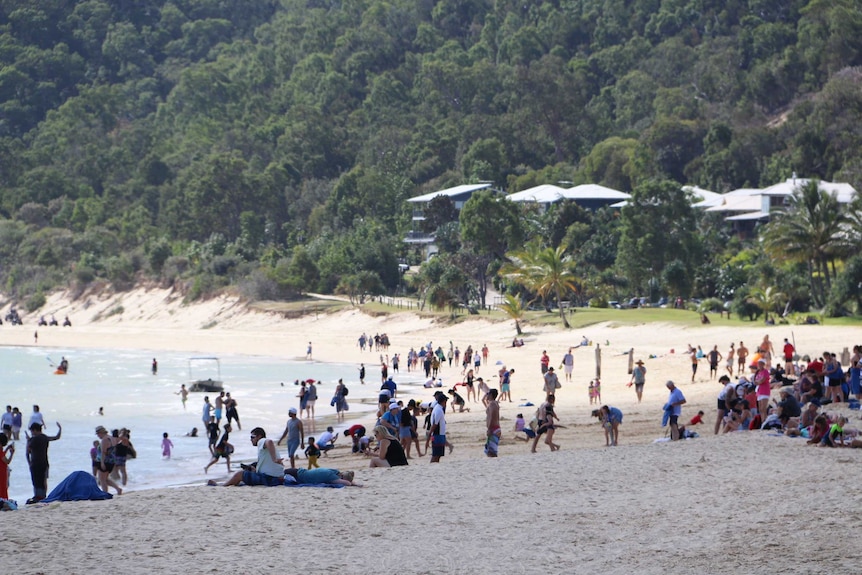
<point>665,418</point>
<point>78,486</point>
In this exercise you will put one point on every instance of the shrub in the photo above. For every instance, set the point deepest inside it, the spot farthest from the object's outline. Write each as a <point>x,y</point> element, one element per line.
<point>35,301</point>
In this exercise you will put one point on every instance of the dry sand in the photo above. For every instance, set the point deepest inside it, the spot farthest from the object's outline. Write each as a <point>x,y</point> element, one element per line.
<point>741,503</point>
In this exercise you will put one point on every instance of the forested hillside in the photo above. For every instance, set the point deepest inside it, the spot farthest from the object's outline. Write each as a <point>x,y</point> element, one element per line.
<point>271,144</point>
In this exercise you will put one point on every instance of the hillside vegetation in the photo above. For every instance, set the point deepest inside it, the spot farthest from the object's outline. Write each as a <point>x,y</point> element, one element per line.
<point>270,145</point>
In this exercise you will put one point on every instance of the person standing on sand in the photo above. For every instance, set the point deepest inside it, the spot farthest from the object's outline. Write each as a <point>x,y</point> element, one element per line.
<point>568,365</point>
<point>485,354</point>
<point>492,425</point>
<point>438,427</point>
<point>692,353</point>
<point>545,415</point>
<point>184,395</point>
<point>730,359</point>
<point>639,378</point>
<point>726,398</point>
<point>155,367</point>
<point>295,435</point>
<point>544,361</point>
<point>789,351</point>
<point>741,356</point>
<point>308,352</point>
<point>714,356</point>
<point>37,458</point>
<point>673,409</point>
<point>552,382</point>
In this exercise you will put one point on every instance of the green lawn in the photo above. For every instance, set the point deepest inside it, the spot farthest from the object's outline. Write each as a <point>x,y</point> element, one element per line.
<point>582,317</point>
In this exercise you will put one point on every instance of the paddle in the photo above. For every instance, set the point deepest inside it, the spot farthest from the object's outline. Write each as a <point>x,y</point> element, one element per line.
<point>50,361</point>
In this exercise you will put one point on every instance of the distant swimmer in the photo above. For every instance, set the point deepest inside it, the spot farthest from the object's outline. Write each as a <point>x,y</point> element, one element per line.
<point>155,366</point>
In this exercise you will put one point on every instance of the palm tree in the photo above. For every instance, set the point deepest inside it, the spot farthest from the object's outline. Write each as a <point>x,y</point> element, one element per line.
<point>766,299</point>
<point>813,229</point>
<point>514,308</point>
<point>549,272</point>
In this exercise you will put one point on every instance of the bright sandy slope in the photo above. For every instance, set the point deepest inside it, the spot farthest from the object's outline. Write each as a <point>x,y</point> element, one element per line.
<point>740,503</point>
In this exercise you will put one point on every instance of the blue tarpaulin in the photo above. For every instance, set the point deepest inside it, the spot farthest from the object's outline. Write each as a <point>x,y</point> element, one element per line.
<point>78,486</point>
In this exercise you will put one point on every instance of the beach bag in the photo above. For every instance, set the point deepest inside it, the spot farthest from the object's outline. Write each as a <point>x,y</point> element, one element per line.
<point>558,385</point>
<point>344,390</point>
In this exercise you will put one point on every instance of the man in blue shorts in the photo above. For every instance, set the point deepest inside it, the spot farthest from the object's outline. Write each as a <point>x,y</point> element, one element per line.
<point>267,471</point>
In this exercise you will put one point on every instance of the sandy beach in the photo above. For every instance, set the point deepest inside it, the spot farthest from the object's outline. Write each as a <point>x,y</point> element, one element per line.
<point>740,503</point>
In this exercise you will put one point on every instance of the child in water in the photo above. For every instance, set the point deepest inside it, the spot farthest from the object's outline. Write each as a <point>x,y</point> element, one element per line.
<point>167,445</point>
<point>312,452</point>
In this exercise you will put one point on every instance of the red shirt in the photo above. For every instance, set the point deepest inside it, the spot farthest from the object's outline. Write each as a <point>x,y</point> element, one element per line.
<point>788,351</point>
<point>545,359</point>
<point>695,420</point>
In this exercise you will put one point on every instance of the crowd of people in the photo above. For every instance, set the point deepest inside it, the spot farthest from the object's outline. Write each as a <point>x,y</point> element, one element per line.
<point>787,393</point>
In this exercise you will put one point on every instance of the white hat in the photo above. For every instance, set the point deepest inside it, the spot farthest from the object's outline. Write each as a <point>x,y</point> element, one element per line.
<point>291,410</point>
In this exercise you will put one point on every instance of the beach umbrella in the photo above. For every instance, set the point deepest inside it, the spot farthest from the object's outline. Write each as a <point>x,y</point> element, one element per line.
<point>309,381</point>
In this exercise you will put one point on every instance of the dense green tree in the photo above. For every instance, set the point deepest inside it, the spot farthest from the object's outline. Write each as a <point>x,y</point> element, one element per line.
<point>656,228</point>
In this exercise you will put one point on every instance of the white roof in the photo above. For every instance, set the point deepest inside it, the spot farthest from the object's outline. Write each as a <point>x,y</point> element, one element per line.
<point>546,193</point>
<point>595,192</point>
<point>706,197</point>
<point>843,192</point>
<point>738,204</point>
<point>748,216</point>
<point>449,192</point>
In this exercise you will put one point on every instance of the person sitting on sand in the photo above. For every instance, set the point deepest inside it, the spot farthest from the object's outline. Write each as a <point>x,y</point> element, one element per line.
<point>522,427</point>
<point>738,416</point>
<point>267,471</point>
<point>835,436</point>
<point>389,452</point>
<point>697,419</point>
<point>819,430</point>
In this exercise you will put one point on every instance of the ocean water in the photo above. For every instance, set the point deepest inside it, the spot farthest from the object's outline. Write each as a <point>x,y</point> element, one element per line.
<point>121,382</point>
